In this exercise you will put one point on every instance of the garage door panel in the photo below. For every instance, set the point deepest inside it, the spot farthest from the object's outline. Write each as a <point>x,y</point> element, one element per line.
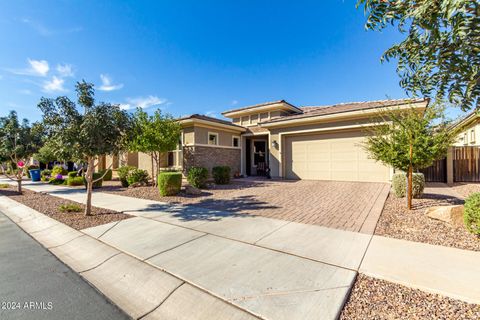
<point>331,156</point>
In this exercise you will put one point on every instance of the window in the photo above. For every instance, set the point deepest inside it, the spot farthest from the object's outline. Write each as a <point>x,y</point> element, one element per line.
<point>465,138</point>
<point>472,136</point>
<point>213,138</point>
<point>170,159</point>
<point>245,120</point>
<point>235,142</point>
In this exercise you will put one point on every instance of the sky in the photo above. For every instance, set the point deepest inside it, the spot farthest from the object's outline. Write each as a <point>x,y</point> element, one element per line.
<point>188,57</point>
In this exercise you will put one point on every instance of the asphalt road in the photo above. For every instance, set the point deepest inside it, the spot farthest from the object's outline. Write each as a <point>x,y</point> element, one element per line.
<point>34,284</point>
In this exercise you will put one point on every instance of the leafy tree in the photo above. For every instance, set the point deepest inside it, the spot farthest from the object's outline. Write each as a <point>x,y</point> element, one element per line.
<point>46,153</point>
<point>18,142</point>
<point>409,140</point>
<point>154,135</point>
<point>99,130</point>
<point>441,52</point>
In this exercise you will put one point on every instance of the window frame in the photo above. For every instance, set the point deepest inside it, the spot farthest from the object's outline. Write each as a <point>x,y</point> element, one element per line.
<point>233,139</point>
<point>472,136</point>
<point>216,138</point>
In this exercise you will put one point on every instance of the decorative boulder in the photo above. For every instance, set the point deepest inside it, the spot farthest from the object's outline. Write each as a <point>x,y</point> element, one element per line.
<point>192,190</point>
<point>449,214</point>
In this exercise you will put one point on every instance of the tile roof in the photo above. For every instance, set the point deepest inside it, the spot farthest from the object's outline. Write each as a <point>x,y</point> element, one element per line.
<point>311,111</point>
<point>260,105</point>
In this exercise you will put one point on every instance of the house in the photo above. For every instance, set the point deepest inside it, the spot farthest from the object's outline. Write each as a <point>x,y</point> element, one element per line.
<point>312,142</point>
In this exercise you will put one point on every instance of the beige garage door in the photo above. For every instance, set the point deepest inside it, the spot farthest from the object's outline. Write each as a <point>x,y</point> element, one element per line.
<point>331,156</point>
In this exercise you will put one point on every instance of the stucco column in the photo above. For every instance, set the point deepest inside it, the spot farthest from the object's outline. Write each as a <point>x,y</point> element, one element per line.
<point>450,165</point>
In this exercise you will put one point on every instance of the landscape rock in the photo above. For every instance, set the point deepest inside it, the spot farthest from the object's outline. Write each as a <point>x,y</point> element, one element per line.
<point>192,190</point>
<point>449,214</point>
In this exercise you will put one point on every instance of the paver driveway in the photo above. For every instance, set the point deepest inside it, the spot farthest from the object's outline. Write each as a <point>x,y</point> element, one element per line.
<point>352,206</point>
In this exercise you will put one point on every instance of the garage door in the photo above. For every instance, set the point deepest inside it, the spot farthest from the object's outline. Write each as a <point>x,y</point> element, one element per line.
<point>331,156</point>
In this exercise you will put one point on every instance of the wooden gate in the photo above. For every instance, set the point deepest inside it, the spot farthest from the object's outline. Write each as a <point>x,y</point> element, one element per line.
<point>437,172</point>
<point>466,164</point>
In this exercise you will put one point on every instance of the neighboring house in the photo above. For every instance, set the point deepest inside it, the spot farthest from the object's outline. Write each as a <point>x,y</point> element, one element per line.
<point>316,143</point>
<point>469,128</point>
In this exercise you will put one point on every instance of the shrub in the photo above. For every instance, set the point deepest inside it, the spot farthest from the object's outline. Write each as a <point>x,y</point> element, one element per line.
<point>137,176</point>
<point>471,214</point>
<point>55,181</point>
<point>98,184</point>
<point>399,184</point>
<point>70,207</point>
<point>123,173</point>
<point>74,181</point>
<point>221,174</point>
<point>59,170</point>
<point>169,183</point>
<point>197,176</point>
<point>72,174</point>
<point>46,173</point>
<point>108,174</point>
<point>3,185</point>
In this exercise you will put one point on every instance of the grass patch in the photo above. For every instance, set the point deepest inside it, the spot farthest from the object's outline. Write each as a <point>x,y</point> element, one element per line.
<point>71,207</point>
<point>4,185</point>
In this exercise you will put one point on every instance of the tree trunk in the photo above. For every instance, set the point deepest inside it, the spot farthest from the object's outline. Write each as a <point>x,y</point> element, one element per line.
<point>19,185</point>
<point>89,178</point>
<point>410,181</point>
<point>153,170</point>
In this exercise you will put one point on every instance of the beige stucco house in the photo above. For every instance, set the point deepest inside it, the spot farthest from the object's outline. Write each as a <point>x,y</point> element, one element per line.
<point>314,142</point>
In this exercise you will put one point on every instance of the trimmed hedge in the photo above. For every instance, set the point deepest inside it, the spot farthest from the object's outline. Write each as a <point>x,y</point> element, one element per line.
<point>399,184</point>
<point>108,175</point>
<point>137,176</point>
<point>74,181</point>
<point>98,184</point>
<point>471,214</point>
<point>123,173</point>
<point>56,181</point>
<point>72,174</point>
<point>221,174</point>
<point>169,183</point>
<point>197,177</point>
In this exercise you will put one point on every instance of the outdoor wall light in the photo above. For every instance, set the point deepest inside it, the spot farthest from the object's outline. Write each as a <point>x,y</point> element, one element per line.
<point>275,144</point>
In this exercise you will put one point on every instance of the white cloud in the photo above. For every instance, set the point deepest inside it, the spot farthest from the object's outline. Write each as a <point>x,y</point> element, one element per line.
<point>54,85</point>
<point>212,114</point>
<point>36,68</point>
<point>234,103</point>
<point>46,31</point>
<point>25,91</point>
<point>65,70</point>
<point>143,102</point>
<point>107,84</point>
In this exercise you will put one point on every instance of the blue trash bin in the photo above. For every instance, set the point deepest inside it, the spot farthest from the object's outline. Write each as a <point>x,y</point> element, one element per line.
<point>35,174</point>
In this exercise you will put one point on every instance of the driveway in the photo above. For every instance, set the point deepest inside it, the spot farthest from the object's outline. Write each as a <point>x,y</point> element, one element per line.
<point>352,206</point>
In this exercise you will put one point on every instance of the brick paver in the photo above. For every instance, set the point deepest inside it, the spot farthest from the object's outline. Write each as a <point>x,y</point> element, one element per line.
<point>353,206</point>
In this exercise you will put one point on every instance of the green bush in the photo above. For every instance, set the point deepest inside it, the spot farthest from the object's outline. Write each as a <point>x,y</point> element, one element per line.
<point>46,173</point>
<point>72,174</point>
<point>108,175</point>
<point>74,181</point>
<point>70,207</point>
<point>59,170</point>
<point>169,183</point>
<point>399,184</point>
<point>98,184</point>
<point>471,214</point>
<point>197,176</point>
<point>123,173</point>
<point>56,181</point>
<point>221,174</point>
<point>137,176</point>
<point>4,185</point>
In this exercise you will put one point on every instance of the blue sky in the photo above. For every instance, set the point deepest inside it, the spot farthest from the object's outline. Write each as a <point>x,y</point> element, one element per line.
<point>192,56</point>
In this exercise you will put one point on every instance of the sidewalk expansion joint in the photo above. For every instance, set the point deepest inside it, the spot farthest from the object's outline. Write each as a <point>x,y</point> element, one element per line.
<point>114,225</point>
<point>59,245</point>
<point>270,233</point>
<point>98,265</point>
<point>166,298</point>
<point>181,244</point>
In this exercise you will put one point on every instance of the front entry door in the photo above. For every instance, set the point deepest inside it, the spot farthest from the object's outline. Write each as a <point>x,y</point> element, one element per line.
<point>259,150</point>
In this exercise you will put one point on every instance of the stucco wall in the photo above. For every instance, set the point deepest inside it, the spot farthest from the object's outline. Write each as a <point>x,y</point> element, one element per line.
<point>472,138</point>
<point>224,137</point>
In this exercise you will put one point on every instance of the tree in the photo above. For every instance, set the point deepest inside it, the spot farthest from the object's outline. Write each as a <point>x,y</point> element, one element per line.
<point>440,55</point>
<point>409,140</point>
<point>101,129</point>
<point>154,134</point>
<point>18,142</point>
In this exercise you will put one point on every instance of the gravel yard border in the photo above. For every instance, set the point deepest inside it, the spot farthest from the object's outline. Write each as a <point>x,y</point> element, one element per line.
<point>372,298</point>
<point>49,205</point>
<point>398,222</point>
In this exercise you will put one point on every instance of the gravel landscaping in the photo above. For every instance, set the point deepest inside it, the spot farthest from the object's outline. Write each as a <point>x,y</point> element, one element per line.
<point>378,299</point>
<point>465,189</point>
<point>398,222</point>
<point>49,205</point>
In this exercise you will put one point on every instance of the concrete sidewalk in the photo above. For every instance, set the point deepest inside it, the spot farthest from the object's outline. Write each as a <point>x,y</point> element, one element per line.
<point>273,268</point>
